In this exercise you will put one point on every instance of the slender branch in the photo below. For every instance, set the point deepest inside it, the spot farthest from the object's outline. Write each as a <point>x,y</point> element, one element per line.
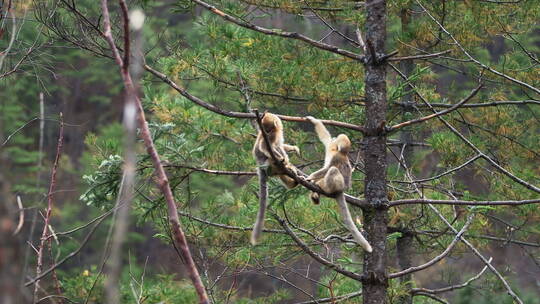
<point>466,141</point>
<point>480,256</point>
<point>126,192</point>
<point>437,114</point>
<point>481,105</point>
<point>224,226</point>
<point>52,186</point>
<point>453,287</point>
<point>462,203</point>
<point>292,35</point>
<point>21,216</point>
<point>334,299</point>
<point>488,68</point>
<point>434,297</point>
<point>423,56</point>
<point>179,237</point>
<point>437,258</point>
<point>18,130</point>
<point>69,256</point>
<point>210,171</point>
<point>317,257</point>
<point>485,237</point>
<point>448,171</point>
<point>244,115</point>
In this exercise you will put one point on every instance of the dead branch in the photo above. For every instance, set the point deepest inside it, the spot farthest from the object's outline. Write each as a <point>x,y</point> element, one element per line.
<point>52,186</point>
<point>437,114</point>
<point>179,237</point>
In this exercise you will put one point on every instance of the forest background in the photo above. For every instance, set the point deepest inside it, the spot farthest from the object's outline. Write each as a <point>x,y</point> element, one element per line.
<point>440,99</point>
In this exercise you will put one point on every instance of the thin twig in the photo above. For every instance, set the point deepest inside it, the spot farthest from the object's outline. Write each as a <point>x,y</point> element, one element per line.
<point>52,186</point>
<point>179,237</point>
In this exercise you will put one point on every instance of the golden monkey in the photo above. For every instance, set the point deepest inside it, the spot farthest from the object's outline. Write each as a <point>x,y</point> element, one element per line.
<point>335,176</point>
<point>266,165</point>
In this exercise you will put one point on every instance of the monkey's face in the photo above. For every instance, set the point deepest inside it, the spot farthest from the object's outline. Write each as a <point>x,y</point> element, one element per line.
<point>271,123</point>
<point>342,144</point>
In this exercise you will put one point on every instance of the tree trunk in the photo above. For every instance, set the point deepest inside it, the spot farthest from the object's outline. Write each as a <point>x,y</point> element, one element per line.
<point>405,242</point>
<point>375,280</point>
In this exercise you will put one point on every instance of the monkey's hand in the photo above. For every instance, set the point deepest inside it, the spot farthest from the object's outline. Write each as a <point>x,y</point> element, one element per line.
<point>312,119</point>
<point>292,148</point>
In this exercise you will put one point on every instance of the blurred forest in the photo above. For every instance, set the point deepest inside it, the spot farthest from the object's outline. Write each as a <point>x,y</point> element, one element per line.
<point>440,99</point>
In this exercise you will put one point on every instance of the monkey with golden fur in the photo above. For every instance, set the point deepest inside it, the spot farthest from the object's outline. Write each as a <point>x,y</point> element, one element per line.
<point>267,166</point>
<point>335,176</point>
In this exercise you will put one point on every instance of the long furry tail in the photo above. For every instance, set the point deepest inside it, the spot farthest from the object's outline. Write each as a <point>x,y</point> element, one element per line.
<point>263,201</point>
<point>347,219</point>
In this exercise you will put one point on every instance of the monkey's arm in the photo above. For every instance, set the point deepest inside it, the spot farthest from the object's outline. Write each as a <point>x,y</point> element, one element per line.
<point>279,153</point>
<point>317,175</point>
<point>289,148</point>
<point>321,130</point>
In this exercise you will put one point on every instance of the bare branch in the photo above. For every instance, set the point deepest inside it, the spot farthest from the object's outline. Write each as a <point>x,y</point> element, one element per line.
<point>480,256</point>
<point>317,257</point>
<point>224,226</point>
<point>179,237</point>
<point>481,105</point>
<point>69,256</point>
<point>334,299</point>
<point>434,297</point>
<point>126,192</point>
<point>516,81</point>
<point>21,216</point>
<point>437,258</point>
<point>422,119</point>
<point>423,56</point>
<point>52,186</point>
<point>453,287</point>
<point>468,142</point>
<point>210,171</point>
<point>449,171</point>
<point>462,203</point>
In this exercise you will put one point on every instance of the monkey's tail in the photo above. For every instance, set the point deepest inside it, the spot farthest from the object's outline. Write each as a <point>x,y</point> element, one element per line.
<point>263,199</point>
<point>347,219</point>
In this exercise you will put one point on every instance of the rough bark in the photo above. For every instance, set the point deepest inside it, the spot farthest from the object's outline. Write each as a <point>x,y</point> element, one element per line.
<point>375,279</point>
<point>405,242</point>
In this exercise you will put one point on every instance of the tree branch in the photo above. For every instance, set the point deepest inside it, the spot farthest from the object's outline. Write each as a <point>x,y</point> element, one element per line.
<point>178,234</point>
<point>244,115</point>
<point>317,257</point>
<point>453,287</point>
<point>462,203</point>
<point>437,258</point>
<point>454,107</point>
<point>292,35</point>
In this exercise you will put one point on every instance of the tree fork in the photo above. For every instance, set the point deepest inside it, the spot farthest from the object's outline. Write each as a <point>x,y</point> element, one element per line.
<point>375,279</point>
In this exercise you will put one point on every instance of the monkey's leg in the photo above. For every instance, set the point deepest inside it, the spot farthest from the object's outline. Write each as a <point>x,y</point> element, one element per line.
<point>317,175</point>
<point>263,201</point>
<point>288,181</point>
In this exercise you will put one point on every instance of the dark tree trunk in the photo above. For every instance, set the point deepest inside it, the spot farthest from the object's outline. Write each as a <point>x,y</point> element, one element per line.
<point>404,254</point>
<point>405,242</point>
<point>375,281</point>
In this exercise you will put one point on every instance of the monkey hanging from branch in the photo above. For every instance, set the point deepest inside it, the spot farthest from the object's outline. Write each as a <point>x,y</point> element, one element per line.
<point>266,156</point>
<point>335,176</point>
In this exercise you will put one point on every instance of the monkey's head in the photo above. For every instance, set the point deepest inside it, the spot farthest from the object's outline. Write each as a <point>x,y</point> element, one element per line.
<point>342,144</point>
<point>271,123</point>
